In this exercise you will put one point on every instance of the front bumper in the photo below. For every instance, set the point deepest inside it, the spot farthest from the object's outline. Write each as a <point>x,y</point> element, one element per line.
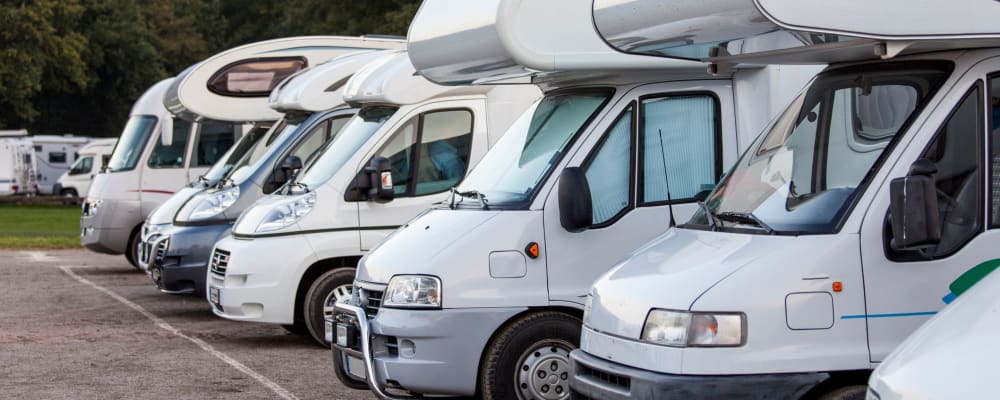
<point>176,257</point>
<point>596,378</point>
<point>425,352</point>
<point>107,230</point>
<point>260,277</point>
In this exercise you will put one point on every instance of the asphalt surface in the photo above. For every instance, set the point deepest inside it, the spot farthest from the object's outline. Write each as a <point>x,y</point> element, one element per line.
<point>79,325</point>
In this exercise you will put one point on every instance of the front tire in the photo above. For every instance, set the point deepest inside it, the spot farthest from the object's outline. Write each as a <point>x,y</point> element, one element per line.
<point>529,358</point>
<point>132,249</point>
<point>333,286</point>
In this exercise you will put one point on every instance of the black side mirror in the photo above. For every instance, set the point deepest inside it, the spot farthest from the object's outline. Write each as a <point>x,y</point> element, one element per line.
<point>373,182</point>
<point>913,208</point>
<point>576,213</point>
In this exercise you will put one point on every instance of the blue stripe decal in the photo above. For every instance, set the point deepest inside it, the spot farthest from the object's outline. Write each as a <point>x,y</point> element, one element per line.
<point>909,314</point>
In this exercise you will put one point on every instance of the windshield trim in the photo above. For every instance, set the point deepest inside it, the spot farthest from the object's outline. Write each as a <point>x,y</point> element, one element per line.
<point>156,125</point>
<point>935,94</point>
<point>525,204</point>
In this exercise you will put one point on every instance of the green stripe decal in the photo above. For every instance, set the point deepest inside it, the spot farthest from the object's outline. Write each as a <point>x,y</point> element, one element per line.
<point>969,279</point>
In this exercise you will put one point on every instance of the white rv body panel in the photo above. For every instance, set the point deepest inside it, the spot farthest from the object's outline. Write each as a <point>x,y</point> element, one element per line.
<point>262,279</point>
<point>91,161</point>
<point>319,88</point>
<point>53,156</point>
<point>952,355</point>
<point>192,97</point>
<point>17,163</point>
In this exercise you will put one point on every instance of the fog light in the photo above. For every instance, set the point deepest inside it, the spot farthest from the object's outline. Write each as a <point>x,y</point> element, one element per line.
<point>345,335</point>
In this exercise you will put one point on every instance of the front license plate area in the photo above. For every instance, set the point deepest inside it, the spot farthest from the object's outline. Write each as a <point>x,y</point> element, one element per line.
<point>215,297</point>
<point>355,367</point>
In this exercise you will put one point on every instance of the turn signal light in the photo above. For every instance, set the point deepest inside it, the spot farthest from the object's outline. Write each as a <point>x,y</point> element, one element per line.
<point>532,250</point>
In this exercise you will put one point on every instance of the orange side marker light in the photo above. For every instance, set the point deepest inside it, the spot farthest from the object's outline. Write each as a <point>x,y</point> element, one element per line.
<point>838,286</point>
<point>532,250</point>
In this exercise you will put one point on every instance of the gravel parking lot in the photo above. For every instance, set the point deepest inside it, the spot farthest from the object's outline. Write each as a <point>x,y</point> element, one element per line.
<point>74,325</point>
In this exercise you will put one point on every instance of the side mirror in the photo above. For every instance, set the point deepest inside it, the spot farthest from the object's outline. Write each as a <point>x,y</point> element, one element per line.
<point>576,213</point>
<point>285,171</point>
<point>913,208</point>
<point>373,182</point>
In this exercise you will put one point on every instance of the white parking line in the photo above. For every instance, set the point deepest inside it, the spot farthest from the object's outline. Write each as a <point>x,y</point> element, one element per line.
<point>277,389</point>
<point>39,256</point>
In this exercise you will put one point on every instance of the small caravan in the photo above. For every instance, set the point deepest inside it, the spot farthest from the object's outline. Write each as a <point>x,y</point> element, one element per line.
<point>90,160</point>
<point>54,155</point>
<point>17,163</point>
<point>292,254</point>
<point>177,238</point>
<point>855,216</point>
<point>213,104</point>
<point>487,288</point>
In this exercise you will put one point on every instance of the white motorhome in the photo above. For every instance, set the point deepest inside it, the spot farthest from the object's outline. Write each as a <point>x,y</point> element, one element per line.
<point>487,289</point>
<point>158,154</point>
<point>54,155</point>
<point>840,228</point>
<point>953,355</point>
<point>91,159</point>
<point>178,236</point>
<point>17,164</point>
<point>410,143</point>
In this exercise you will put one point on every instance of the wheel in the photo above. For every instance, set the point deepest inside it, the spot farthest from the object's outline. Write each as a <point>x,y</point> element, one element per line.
<point>132,249</point>
<point>68,193</point>
<point>529,358</point>
<point>297,328</point>
<point>347,380</point>
<point>853,392</point>
<point>332,287</point>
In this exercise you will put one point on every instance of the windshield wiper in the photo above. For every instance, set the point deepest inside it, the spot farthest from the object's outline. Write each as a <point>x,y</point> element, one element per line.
<point>474,194</point>
<point>746,219</point>
<point>712,222</point>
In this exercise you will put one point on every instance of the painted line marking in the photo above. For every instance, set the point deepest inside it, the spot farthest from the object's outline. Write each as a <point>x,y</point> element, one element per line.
<point>277,389</point>
<point>909,314</point>
<point>39,256</point>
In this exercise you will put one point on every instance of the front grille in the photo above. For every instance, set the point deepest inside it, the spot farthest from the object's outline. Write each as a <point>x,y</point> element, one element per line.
<point>371,301</point>
<point>219,262</point>
<point>618,381</point>
<point>161,249</point>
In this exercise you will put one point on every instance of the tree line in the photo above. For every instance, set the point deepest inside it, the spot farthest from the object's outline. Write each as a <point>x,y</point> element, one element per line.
<point>76,66</point>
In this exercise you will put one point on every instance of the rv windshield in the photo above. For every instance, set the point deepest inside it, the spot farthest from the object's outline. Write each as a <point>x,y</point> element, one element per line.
<point>235,153</point>
<point>803,174</point>
<point>260,151</point>
<point>338,150</point>
<point>511,172</point>
<point>132,142</point>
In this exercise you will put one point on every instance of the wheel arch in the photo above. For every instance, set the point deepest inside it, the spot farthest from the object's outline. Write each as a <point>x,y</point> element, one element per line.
<point>314,271</point>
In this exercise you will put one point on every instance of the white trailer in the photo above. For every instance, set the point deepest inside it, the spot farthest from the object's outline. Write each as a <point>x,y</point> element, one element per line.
<point>842,228</point>
<point>54,155</point>
<point>158,154</point>
<point>17,163</point>
<point>487,289</point>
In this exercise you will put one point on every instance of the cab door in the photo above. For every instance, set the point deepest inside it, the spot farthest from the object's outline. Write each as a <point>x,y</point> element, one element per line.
<point>659,138</point>
<point>430,151</point>
<point>164,170</point>
<point>903,288</point>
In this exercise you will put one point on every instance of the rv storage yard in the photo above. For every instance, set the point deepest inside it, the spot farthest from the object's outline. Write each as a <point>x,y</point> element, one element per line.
<point>82,325</point>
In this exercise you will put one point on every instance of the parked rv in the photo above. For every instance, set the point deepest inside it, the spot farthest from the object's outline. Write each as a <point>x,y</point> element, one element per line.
<point>90,159</point>
<point>17,163</point>
<point>487,288</point>
<point>952,355</point>
<point>178,236</point>
<point>54,155</point>
<point>409,144</point>
<point>157,154</point>
<point>839,231</point>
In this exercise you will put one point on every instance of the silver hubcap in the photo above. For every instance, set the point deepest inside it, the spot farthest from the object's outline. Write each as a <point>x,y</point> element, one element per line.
<point>543,371</point>
<point>339,294</point>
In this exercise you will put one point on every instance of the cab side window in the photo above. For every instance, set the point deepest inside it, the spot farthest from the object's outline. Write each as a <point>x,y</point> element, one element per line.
<point>609,170</point>
<point>994,116</point>
<point>171,156</point>
<point>213,141</point>
<point>956,151</point>
<point>82,166</point>
<point>430,152</point>
<point>680,147</point>
<point>313,140</point>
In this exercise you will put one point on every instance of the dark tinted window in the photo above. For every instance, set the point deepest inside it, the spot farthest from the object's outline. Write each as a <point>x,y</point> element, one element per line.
<point>57,157</point>
<point>254,77</point>
<point>171,156</point>
<point>213,142</point>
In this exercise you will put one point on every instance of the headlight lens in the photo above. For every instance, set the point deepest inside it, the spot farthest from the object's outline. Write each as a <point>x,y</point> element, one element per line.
<point>215,203</point>
<point>413,291</point>
<point>287,212</point>
<point>693,329</point>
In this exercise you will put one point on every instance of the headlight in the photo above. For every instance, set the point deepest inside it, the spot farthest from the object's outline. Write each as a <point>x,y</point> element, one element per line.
<point>413,291</point>
<point>693,329</point>
<point>90,207</point>
<point>287,212</point>
<point>214,204</point>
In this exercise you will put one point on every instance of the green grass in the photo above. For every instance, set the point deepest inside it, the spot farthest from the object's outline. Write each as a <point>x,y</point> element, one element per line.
<point>39,227</point>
